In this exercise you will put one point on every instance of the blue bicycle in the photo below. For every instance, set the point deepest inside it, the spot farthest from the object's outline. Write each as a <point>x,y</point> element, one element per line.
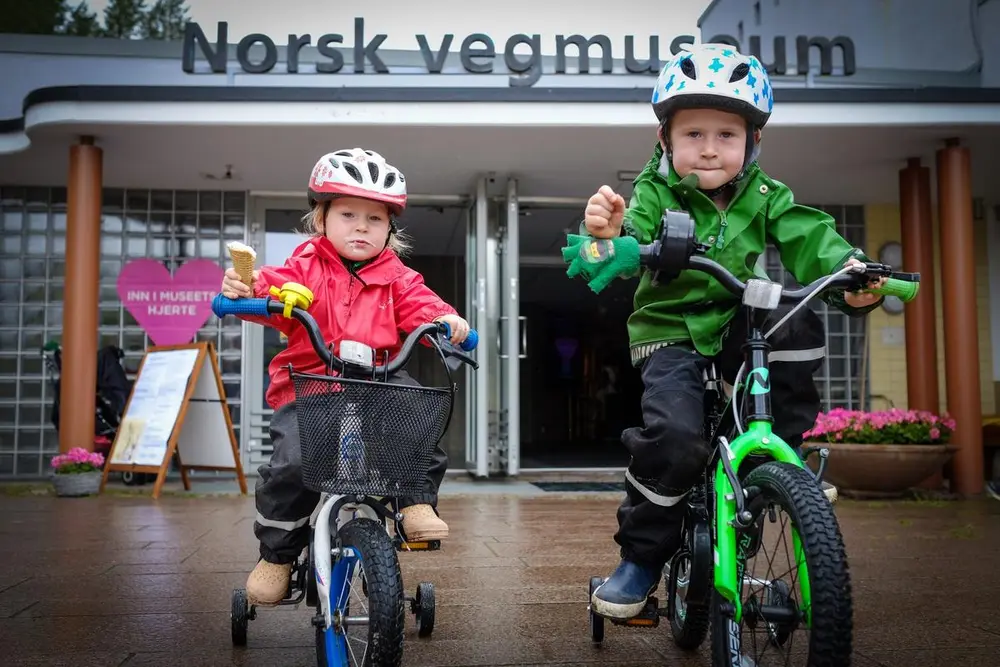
<point>365,441</point>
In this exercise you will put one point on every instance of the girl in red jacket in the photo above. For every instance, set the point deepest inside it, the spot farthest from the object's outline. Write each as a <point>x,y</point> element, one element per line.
<point>362,292</point>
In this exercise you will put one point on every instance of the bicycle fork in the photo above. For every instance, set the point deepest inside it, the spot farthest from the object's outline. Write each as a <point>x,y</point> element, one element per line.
<point>332,576</point>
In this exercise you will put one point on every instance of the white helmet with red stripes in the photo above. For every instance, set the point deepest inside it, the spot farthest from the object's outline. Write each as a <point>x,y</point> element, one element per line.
<point>357,173</point>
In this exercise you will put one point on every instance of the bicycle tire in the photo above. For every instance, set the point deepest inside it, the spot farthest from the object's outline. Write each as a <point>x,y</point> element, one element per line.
<point>689,632</point>
<point>386,610</point>
<point>831,636</point>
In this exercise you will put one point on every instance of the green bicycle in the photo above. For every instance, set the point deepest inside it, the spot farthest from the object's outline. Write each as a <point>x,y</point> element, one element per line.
<point>714,581</point>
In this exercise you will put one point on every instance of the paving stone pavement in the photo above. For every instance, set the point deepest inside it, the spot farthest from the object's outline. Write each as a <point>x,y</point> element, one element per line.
<point>133,582</point>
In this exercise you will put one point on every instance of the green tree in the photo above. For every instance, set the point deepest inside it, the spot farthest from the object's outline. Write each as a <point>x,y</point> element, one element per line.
<point>32,17</point>
<point>165,20</point>
<point>124,18</point>
<point>81,22</point>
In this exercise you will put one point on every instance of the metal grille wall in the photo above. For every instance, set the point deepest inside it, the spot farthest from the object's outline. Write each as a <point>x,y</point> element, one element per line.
<point>161,224</point>
<point>839,381</point>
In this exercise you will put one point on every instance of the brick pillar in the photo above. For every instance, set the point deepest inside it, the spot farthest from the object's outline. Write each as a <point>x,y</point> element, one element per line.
<point>78,390</point>
<point>917,236</point>
<point>961,325</point>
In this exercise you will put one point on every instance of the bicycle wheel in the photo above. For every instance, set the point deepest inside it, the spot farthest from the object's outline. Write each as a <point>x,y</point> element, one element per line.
<point>368,626</point>
<point>688,622</point>
<point>787,504</point>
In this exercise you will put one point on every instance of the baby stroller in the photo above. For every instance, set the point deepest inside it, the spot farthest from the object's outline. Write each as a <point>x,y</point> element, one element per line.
<point>113,389</point>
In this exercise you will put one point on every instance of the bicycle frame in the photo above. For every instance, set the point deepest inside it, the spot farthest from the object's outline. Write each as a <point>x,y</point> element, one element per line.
<point>757,439</point>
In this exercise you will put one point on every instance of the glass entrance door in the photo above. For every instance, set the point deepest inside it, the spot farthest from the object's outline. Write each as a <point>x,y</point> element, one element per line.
<point>491,394</point>
<point>492,258</point>
<point>481,315</point>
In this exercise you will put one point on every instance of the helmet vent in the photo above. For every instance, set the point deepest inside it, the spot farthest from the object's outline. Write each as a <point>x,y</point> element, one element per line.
<point>687,67</point>
<point>373,170</point>
<point>353,171</point>
<point>739,73</point>
<point>390,179</point>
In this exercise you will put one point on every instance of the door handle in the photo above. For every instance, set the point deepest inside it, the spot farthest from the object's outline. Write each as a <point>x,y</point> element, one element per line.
<point>524,336</point>
<point>523,322</point>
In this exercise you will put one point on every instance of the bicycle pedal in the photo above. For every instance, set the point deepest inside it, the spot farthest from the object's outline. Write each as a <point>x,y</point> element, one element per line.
<point>649,617</point>
<point>431,545</point>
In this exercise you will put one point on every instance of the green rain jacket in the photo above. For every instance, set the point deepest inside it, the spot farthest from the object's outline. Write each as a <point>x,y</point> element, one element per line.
<point>695,308</point>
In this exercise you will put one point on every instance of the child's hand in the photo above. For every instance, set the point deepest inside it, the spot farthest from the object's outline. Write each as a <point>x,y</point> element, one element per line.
<point>604,214</point>
<point>863,299</point>
<point>459,327</point>
<point>233,287</point>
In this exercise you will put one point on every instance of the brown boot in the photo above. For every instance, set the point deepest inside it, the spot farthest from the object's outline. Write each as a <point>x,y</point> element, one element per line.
<point>267,585</point>
<point>421,524</point>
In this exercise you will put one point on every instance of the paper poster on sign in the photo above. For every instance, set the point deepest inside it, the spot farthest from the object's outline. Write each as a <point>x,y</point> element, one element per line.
<point>154,407</point>
<point>169,308</point>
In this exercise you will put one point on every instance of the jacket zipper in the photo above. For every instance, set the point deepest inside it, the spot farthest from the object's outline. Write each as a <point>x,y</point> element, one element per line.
<point>723,223</point>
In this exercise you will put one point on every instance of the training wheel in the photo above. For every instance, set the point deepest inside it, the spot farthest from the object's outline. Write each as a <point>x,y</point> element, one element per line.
<point>596,622</point>
<point>423,609</point>
<point>240,617</point>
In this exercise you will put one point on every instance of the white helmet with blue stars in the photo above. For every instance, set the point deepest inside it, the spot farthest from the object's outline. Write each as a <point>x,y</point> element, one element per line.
<point>714,76</point>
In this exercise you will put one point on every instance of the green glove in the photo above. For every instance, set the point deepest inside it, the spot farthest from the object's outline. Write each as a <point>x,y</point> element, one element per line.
<point>601,260</point>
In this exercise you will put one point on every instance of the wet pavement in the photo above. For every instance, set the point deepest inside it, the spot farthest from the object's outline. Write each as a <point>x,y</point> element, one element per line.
<point>128,581</point>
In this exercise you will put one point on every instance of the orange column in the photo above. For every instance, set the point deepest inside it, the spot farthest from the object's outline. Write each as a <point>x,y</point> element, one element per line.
<point>78,388</point>
<point>961,325</point>
<point>918,255</point>
<point>917,235</point>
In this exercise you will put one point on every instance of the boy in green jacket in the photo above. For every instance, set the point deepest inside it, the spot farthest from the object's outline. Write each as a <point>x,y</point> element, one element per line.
<point>711,103</point>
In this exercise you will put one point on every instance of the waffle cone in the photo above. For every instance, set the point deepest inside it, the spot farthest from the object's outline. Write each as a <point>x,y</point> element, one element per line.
<point>243,261</point>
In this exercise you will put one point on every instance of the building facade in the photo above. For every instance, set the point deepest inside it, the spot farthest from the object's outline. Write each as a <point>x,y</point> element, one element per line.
<point>112,151</point>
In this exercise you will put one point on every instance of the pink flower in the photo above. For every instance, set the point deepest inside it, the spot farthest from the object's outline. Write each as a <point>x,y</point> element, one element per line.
<point>78,459</point>
<point>894,426</point>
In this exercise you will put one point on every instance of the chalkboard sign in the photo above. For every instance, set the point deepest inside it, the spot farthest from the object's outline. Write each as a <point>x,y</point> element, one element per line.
<point>177,406</point>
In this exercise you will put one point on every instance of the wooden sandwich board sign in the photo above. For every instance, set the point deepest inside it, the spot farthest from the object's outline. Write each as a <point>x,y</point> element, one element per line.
<point>177,406</point>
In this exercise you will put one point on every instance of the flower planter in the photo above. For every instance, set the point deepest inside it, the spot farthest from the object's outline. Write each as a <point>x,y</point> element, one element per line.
<point>882,454</point>
<point>883,471</point>
<point>72,485</point>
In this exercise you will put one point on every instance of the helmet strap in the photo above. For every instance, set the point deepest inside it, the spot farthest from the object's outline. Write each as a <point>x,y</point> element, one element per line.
<point>392,230</point>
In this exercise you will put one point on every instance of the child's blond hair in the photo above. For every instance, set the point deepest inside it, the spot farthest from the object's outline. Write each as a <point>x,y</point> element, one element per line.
<point>315,218</point>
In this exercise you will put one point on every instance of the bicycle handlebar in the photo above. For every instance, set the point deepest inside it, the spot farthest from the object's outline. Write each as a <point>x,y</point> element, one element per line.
<point>266,306</point>
<point>676,247</point>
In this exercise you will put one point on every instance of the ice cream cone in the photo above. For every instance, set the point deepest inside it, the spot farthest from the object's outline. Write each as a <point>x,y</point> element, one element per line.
<point>244,258</point>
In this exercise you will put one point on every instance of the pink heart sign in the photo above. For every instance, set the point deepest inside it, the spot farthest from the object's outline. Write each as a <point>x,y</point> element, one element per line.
<point>170,309</point>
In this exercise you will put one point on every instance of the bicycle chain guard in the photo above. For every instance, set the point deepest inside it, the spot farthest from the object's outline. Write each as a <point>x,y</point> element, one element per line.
<point>675,245</point>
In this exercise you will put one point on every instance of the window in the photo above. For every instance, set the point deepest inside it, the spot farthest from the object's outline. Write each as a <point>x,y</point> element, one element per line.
<point>839,380</point>
<point>170,226</point>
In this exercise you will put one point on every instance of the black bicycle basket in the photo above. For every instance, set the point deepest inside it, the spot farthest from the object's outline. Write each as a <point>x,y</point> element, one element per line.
<point>367,437</point>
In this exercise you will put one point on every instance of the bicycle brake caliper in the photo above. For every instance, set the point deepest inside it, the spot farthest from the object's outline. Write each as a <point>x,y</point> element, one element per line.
<point>743,517</point>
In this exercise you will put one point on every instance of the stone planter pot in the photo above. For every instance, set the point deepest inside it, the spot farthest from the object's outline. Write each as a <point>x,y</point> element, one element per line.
<point>79,484</point>
<point>883,471</point>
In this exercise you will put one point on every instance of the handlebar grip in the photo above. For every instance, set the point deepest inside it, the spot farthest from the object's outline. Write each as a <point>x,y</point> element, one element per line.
<point>470,342</point>
<point>902,289</point>
<point>222,306</point>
